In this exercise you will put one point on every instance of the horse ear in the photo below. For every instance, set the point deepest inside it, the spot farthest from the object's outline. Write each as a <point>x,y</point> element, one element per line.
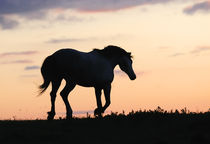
<point>129,54</point>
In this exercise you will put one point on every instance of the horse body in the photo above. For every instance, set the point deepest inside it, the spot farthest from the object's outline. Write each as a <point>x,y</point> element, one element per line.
<point>85,69</point>
<point>88,69</point>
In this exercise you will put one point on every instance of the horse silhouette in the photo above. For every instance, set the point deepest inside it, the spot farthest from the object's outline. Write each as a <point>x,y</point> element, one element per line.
<point>88,69</point>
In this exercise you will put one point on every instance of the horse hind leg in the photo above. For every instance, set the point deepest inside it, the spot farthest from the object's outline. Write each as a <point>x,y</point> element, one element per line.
<point>55,86</point>
<point>107,91</point>
<point>64,94</point>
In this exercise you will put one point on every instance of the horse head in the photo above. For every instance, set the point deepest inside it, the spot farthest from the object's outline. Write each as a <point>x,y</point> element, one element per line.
<point>124,59</point>
<point>125,63</point>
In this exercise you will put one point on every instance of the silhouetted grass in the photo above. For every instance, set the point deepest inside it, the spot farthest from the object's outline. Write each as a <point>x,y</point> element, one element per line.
<point>142,127</point>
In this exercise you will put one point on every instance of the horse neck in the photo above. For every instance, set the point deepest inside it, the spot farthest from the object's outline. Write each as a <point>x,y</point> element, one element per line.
<point>114,61</point>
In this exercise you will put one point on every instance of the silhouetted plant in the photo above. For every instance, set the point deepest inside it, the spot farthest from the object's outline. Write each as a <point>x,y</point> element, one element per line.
<point>159,110</point>
<point>142,126</point>
<point>87,115</point>
<point>176,111</point>
<point>184,111</point>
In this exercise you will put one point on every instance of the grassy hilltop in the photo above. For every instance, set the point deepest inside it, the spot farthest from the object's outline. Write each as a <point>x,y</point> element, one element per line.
<point>140,127</point>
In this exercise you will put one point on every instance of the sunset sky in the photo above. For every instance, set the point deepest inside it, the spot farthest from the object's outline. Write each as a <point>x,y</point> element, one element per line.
<point>169,39</point>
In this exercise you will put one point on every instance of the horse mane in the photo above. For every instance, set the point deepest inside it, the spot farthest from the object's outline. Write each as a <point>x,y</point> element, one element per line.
<point>112,50</point>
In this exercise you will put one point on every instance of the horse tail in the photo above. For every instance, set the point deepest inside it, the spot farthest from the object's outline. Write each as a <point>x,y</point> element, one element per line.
<point>47,73</point>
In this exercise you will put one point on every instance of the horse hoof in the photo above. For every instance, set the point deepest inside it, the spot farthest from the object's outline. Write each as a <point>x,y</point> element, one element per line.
<point>50,116</point>
<point>97,112</point>
<point>69,117</point>
<point>99,116</point>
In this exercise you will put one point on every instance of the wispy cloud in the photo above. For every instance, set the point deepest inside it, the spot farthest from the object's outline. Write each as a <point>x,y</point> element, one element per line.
<point>34,67</point>
<point>7,23</point>
<point>200,49</point>
<point>80,112</point>
<point>66,40</point>
<point>141,73</point>
<point>83,112</point>
<point>63,40</point>
<point>164,48</point>
<point>119,73</point>
<point>114,5</point>
<point>203,6</point>
<point>63,17</point>
<point>195,51</point>
<point>6,57</point>
<point>28,76</point>
<point>17,62</point>
<point>177,54</point>
<point>123,74</point>
<point>7,54</point>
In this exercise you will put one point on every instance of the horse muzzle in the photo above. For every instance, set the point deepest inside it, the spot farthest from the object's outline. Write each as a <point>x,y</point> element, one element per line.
<point>132,77</point>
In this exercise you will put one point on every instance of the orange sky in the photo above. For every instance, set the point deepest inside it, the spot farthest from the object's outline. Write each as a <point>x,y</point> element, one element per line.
<point>169,40</point>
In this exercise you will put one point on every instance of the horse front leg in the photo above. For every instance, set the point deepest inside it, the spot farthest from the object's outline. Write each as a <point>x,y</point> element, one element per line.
<point>107,90</point>
<point>98,110</point>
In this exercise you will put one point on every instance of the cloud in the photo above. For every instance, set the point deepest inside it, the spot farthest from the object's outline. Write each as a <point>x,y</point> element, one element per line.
<point>25,6</point>
<point>6,23</point>
<point>40,15</point>
<point>199,6</point>
<point>196,51</point>
<point>123,74</point>
<point>63,40</point>
<point>200,49</point>
<point>114,5</point>
<point>62,17</point>
<point>83,112</point>
<point>163,48</point>
<point>16,62</point>
<point>177,54</point>
<point>119,73</point>
<point>37,9</point>
<point>8,54</point>
<point>141,73</point>
<point>34,67</point>
<point>28,76</point>
<point>79,112</point>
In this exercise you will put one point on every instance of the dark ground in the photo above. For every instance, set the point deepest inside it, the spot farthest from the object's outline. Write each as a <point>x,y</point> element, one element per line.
<point>141,127</point>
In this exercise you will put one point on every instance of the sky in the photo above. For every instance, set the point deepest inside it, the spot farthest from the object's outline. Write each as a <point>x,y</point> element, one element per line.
<point>169,41</point>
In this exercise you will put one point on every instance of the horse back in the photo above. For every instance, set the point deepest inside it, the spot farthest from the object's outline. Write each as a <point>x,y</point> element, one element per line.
<point>85,68</point>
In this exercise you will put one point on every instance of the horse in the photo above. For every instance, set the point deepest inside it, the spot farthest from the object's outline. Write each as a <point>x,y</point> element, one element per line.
<point>87,69</point>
